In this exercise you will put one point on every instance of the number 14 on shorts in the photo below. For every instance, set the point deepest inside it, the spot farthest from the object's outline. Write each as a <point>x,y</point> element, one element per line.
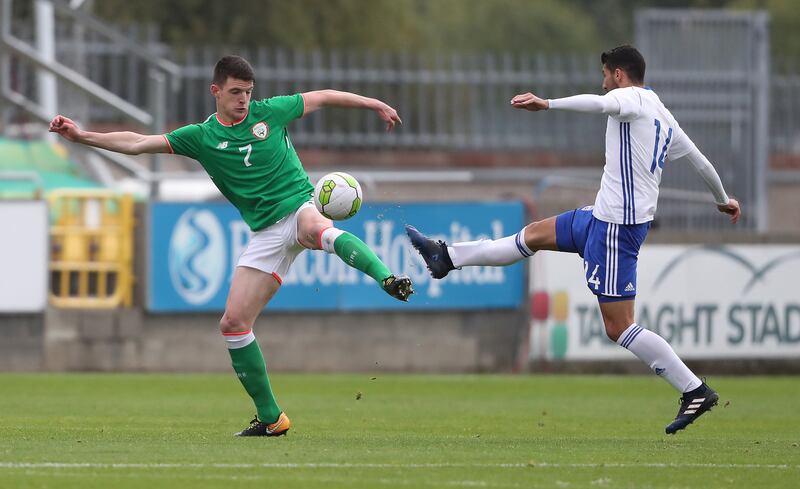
<point>593,279</point>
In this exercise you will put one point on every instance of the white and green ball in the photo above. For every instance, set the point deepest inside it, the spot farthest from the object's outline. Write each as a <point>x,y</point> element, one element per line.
<point>338,196</point>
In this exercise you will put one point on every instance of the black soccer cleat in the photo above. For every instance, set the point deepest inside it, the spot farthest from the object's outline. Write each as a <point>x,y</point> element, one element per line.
<point>260,428</point>
<point>398,287</point>
<point>693,404</point>
<point>433,252</point>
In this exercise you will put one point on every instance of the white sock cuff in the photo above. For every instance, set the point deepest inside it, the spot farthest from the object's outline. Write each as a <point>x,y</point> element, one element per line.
<point>327,237</point>
<point>239,340</point>
<point>523,248</point>
<point>630,334</point>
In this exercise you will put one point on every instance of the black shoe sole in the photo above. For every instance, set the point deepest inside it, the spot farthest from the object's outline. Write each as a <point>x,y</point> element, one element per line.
<point>694,418</point>
<point>265,435</point>
<point>403,288</point>
<point>428,248</point>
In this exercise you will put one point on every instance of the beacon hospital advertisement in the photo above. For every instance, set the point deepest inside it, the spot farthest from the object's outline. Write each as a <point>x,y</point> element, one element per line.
<point>739,301</point>
<point>193,249</point>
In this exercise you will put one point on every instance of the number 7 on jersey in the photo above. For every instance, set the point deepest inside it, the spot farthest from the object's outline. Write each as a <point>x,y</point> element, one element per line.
<point>249,149</point>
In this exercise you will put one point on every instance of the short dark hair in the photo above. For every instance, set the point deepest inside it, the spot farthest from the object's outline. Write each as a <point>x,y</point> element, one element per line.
<point>628,59</point>
<point>233,67</point>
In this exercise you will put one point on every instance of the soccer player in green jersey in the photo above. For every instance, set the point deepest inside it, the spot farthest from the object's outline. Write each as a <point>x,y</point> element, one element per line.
<point>245,149</point>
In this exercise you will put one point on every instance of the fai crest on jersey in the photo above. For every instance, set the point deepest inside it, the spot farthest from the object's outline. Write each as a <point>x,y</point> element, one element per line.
<point>260,130</point>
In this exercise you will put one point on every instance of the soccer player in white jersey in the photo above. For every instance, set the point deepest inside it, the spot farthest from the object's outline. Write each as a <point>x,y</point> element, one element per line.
<point>641,135</point>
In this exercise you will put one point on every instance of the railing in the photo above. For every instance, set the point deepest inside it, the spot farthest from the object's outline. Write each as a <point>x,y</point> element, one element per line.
<point>460,102</point>
<point>20,63</point>
<point>25,176</point>
<point>453,102</point>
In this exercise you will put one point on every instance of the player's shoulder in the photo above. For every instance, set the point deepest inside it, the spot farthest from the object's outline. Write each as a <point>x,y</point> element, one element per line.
<point>657,104</point>
<point>194,129</point>
<point>278,110</point>
<point>641,95</point>
<point>627,92</point>
<point>274,101</point>
<point>201,126</point>
<point>631,102</point>
<point>265,107</point>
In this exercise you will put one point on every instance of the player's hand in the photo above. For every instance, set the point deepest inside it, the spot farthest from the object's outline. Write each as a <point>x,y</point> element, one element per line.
<point>388,115</point>
<point>529,101</point>
<point>732,209</point>
<point>66,128</point>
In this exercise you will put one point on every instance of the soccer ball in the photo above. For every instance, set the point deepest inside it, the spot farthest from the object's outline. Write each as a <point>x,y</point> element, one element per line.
<point>338,196</point>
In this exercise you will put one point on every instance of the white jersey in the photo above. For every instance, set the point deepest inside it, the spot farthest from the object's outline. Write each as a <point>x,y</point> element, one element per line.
<point>638,143</point>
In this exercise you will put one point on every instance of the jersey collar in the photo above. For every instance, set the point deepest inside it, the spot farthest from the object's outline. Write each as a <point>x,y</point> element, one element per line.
<point>229,124</point>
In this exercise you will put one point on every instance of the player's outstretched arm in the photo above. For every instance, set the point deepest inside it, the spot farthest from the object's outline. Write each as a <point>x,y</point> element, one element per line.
<point>333,98</point>
<point>593,104</point>
<point>125,142</point>
<point>711,178</point>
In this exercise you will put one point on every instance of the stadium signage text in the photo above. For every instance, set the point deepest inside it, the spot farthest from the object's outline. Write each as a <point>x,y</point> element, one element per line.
<point>193,250</point>
<point>707,302</point>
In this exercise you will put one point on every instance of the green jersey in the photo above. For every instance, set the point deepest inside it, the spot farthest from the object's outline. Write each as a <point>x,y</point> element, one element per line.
<point>252,161</point>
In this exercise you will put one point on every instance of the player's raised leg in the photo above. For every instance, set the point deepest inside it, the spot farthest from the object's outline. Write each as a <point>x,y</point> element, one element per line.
<point>316,232</point>
<point>440,257</point>
<point>251,290</point>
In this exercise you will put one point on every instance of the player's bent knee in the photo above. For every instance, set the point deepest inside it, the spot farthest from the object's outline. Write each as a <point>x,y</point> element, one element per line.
<point>231,324</point>
<point>538,235</point>
<point>310,234</point>
<point>310,226</point>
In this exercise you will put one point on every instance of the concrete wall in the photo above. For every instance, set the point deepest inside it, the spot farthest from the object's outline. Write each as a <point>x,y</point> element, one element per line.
<point>21,342</point>
<point>130,340</point>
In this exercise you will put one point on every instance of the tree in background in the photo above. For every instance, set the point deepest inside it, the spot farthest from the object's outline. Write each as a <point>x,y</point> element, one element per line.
<point>784,27</point>
<point>381,25</point>
<point>532,26</point>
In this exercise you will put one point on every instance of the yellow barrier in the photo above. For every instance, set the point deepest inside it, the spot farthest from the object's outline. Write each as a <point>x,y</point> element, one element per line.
<point>91,249</point>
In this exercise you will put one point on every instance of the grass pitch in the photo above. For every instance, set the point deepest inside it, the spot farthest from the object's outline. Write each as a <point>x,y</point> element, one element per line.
<point>358,431</point>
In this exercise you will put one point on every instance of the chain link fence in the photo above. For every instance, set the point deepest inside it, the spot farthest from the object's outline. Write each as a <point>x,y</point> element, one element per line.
<point>450,102</point>
<point>710,67</point>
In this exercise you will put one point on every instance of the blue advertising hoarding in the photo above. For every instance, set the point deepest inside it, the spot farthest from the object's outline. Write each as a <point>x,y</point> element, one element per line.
<point>194,247</point>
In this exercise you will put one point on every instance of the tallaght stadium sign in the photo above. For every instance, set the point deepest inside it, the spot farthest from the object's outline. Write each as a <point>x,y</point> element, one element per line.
<point>707,301</point>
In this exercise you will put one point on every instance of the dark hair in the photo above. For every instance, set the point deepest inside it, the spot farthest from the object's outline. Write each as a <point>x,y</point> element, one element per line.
<point>628,59</point>
<point>233,67</point>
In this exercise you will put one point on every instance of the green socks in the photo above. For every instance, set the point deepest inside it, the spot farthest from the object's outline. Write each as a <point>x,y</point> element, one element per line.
<point>355,253</point>
<point>246,356</point>
<point>248,363</point>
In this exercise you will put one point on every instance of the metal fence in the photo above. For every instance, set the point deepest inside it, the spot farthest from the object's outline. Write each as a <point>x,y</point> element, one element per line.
<point>784,114</point>
<point>701,64</point>
<point>456,102</point>
<point>711,68</point>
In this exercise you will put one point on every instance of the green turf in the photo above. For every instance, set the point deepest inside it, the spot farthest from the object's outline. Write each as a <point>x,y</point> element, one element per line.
<point>405,431</point>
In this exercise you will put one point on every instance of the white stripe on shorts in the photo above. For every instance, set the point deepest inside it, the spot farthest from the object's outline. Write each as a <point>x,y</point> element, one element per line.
<point>616,260</point>
<point>608,257</point>
<point>612,257</point>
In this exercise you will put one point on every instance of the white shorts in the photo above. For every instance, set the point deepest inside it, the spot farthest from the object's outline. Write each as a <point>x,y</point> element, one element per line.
<point>273,249</point>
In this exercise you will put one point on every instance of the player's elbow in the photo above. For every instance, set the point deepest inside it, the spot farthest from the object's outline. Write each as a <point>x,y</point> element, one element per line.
<point>313,101</point>
<point>142,145</point>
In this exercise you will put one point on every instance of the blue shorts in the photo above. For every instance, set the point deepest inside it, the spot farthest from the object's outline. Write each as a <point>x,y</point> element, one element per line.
<point>609,251</point>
